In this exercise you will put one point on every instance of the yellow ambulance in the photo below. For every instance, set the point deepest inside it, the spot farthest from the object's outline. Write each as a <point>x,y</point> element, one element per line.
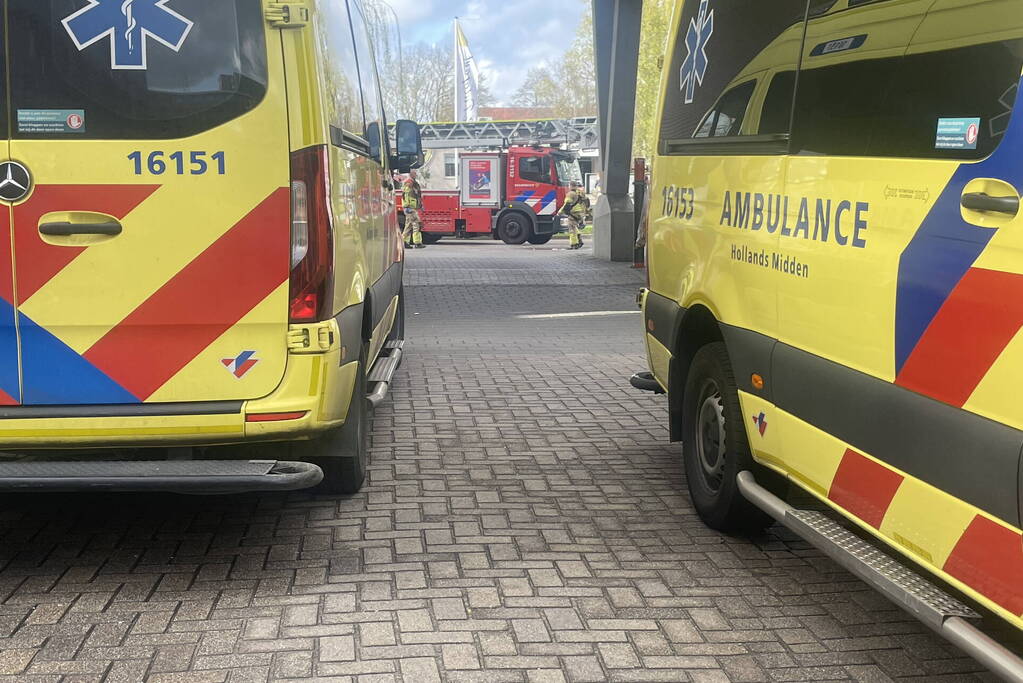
<point>198,244</point>
<point>836,274</point>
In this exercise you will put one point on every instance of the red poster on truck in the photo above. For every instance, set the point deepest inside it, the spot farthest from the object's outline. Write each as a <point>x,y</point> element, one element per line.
<point>480,179</point>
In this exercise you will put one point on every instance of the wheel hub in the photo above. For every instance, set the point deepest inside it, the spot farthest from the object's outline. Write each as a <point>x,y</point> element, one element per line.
<point>710,436</point>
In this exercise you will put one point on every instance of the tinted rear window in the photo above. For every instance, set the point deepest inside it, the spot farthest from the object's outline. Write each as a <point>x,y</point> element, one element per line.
<point>200,63</point>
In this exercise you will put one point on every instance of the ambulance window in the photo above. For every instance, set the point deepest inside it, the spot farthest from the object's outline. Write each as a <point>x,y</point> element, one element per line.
<point>950,97</point>
<point>777,112</point>
<point>727,116</point>
<point>73,79</point>
<point>372,105</point>
<point>341,72</point>
<point>536,169</point>
<point>719,49</point>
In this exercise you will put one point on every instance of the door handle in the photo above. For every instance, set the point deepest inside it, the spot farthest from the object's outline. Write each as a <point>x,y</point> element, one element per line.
<point>66,229</point>
<point>979,201</point>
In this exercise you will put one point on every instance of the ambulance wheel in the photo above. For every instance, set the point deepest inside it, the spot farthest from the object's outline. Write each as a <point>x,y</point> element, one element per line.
<point>343,454</point>
<point>431,238</point>
<point>540,239</point>
<point>514,228</point>
<point>714,444</point>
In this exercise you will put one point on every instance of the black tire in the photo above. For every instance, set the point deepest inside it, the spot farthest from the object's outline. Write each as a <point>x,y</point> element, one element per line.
<point>714,445</point>
<point>343,453</point>
<point>431,238</point>
<point>514,228</point>
<point>540,239</point>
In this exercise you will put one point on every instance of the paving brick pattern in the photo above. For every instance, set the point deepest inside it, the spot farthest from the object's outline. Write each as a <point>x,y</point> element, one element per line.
<point>525,520</point>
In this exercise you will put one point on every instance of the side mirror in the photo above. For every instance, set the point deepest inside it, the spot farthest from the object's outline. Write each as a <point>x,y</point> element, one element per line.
<point>409,139</point>
<point>408,146</point>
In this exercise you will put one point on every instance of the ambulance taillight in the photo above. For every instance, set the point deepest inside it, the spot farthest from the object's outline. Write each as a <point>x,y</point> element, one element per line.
<point>312,248</point>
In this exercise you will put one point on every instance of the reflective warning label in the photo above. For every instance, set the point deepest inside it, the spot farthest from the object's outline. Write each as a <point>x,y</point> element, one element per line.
<point>51,120</point>
<point>959,133</point>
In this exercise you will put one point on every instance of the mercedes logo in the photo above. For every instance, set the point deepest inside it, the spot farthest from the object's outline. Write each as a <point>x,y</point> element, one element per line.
<point>15,181</point>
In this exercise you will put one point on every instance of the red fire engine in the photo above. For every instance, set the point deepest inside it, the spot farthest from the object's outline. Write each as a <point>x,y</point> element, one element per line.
<point>513,195</point>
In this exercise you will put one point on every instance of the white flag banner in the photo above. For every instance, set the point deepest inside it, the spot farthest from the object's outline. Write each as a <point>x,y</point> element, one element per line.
<point>467,79</point>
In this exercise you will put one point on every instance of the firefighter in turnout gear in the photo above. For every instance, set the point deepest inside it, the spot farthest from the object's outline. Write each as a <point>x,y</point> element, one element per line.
<point>575,210</point>
<point>412,202</point>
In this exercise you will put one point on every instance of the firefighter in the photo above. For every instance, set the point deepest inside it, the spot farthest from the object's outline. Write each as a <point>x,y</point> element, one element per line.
<point>412,202</point>
<point>577,206</point>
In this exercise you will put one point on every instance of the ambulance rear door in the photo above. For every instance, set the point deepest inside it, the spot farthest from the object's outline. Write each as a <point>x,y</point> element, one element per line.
<point>152,242</point>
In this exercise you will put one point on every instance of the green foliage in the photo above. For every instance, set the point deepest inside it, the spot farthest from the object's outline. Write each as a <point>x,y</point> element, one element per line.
<point>569,85</point>
<point>653,51</point>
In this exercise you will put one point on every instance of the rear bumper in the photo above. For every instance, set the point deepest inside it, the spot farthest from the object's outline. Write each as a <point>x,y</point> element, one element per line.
<point>314,397</point>
<point>181,476</point>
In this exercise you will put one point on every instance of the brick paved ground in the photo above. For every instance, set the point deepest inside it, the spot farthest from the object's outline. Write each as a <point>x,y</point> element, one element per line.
<point>525,520</point>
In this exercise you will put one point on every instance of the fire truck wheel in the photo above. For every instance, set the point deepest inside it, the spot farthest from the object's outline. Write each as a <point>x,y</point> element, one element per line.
<point>431,238</point>
<point>514,228</point>
<point>714,444</point>
<point>540,239</point>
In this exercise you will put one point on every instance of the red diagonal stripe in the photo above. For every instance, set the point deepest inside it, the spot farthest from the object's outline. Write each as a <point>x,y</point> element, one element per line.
<point>989,559</point>
<point>201,302</point>
<point>39,262</point>
<point>5,398</point>
<point>980,318</point>
<point>6,259</point>
<point>864,487</point>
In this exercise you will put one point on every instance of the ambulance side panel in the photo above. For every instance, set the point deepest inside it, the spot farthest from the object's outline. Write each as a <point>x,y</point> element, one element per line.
<point>368,267</point>
<point>883,314</point>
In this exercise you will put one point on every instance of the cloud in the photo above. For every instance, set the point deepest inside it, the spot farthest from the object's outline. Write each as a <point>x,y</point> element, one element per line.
<point>507,37</point>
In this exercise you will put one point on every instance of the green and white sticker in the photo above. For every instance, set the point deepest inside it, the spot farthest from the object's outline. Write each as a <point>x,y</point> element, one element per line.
<point>51,120</point>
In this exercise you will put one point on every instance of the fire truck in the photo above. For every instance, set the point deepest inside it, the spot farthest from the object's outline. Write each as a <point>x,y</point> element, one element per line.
<point>512,195</point>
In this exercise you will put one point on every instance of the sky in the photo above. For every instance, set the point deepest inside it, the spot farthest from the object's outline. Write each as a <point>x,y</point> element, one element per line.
<point>507,37</point>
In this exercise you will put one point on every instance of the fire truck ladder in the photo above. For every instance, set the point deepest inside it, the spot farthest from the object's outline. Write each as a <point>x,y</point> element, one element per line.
<point>578,133</point>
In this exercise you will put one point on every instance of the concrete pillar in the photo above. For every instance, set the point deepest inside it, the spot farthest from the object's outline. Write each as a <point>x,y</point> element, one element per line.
<point>616,33</point>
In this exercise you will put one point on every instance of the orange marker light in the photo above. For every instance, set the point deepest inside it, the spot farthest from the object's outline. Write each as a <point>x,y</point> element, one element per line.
<point>758,381</point>
<point>650,325</point>
<point>275,417</point>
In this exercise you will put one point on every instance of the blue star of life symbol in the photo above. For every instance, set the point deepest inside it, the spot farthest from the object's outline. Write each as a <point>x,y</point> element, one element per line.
<point>701,28</point>
<point>129,24</point>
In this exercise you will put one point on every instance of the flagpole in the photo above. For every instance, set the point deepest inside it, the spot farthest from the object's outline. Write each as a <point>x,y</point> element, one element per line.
<point>458,72</point>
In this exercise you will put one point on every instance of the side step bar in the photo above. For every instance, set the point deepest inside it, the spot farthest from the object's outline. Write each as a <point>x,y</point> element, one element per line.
<point>944,614</point>
<point>644,381</point>
<point>380,377</point>
<point>178,476</point>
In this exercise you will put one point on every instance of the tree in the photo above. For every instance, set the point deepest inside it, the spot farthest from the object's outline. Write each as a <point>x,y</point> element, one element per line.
<point>538,90</point>
<point>653,56</point>
<point>569,85</point>
<point>426,71</point>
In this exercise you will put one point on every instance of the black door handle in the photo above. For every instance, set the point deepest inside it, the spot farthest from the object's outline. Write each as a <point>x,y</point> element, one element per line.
<point>978,201</point>
<point>66,229</point>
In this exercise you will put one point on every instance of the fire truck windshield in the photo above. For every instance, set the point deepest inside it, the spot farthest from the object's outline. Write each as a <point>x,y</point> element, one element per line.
<point>568,170</point>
